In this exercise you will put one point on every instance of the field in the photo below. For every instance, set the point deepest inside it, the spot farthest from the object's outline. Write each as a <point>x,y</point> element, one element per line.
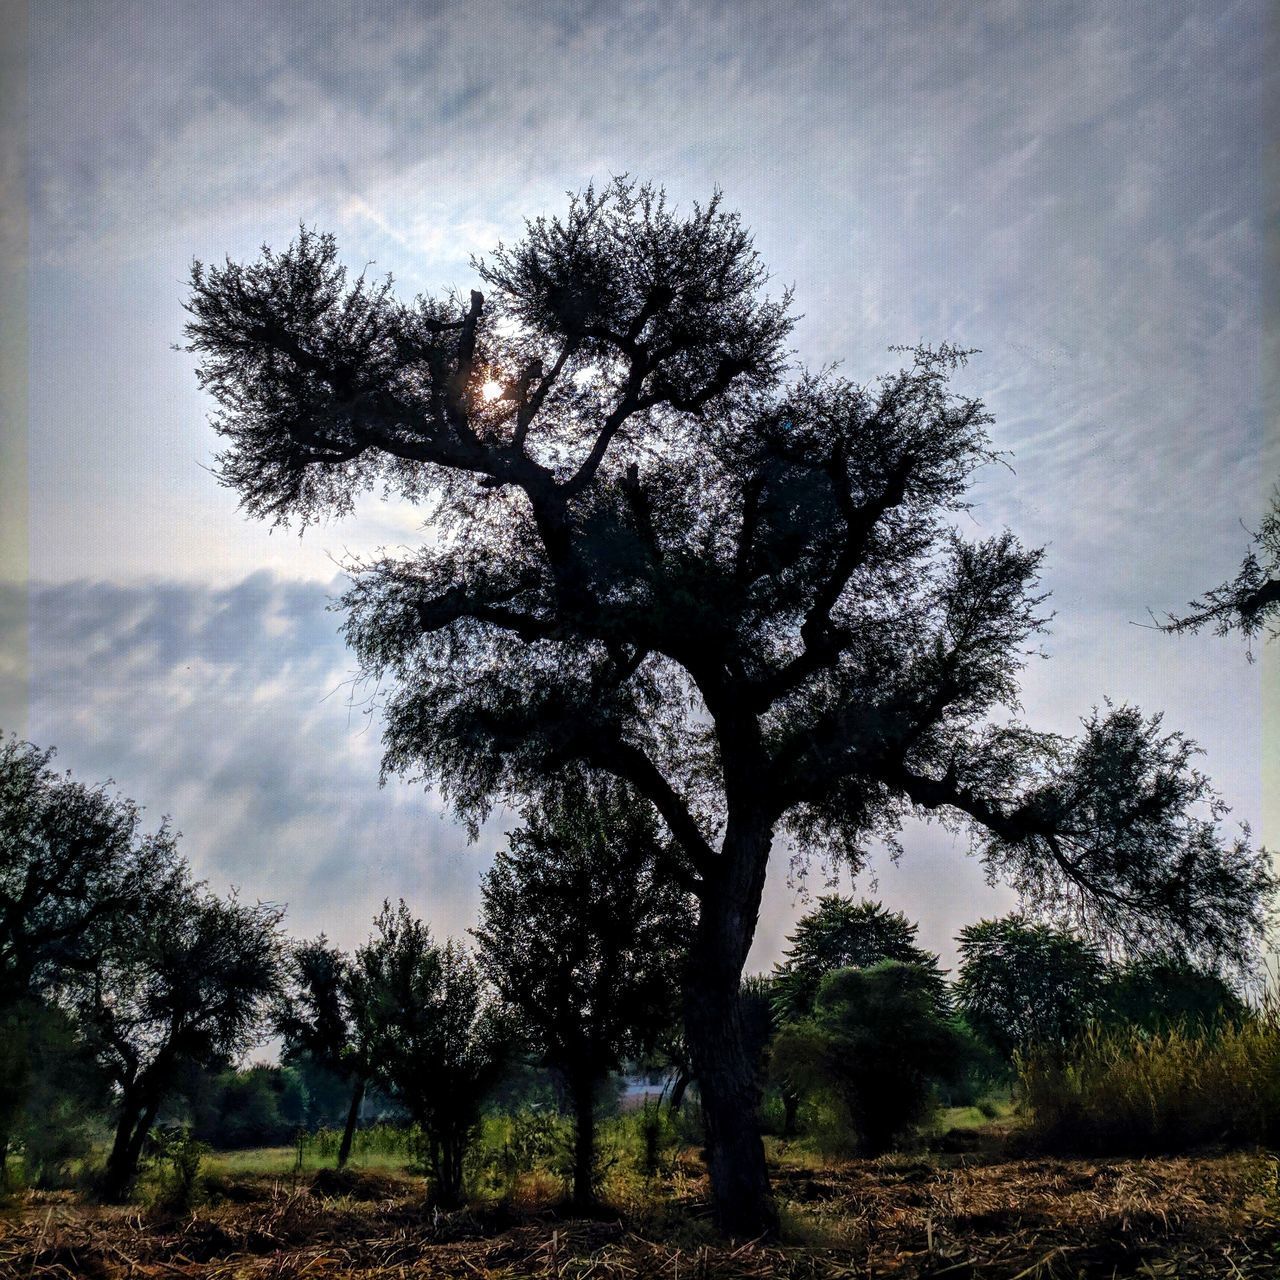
<point>973,1214</point>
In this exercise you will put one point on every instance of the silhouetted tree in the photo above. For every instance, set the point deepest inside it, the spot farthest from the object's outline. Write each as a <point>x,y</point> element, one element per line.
<point>188,980</point>
<point>315,1018</point>
<point>583,932</point>
<point>73,863</point>
<point>1248,603</point>
<point>1021,983</point>
<point>653,556</point>
<point>434,1036</point>
<point>876,1042</point>
<point>840,933</point>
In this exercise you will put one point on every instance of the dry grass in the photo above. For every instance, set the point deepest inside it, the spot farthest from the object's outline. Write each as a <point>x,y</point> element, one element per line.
<point>1213,1216</point>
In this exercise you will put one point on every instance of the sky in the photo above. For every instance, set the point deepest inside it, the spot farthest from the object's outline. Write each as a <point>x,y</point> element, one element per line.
<point>1082,191</point>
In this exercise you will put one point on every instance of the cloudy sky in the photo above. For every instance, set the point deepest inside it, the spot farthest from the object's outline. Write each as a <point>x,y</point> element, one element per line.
<point>1079,189</point>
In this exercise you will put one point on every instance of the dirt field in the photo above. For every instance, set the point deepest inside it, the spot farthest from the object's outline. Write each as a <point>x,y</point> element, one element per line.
<point>957,1216</point>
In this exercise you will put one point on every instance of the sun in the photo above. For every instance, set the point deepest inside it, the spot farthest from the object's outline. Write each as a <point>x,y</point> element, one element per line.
<point>491,391</point>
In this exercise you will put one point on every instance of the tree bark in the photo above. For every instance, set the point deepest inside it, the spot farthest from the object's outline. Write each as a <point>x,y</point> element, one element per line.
<point>727,1080</point>
<point>353,1117</point>
<point>584,1142</point>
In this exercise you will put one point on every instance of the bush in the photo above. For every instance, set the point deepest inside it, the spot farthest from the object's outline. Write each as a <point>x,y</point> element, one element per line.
<point>1122,1090</point>
<point>179,1154</point>
<point>876,1047</point>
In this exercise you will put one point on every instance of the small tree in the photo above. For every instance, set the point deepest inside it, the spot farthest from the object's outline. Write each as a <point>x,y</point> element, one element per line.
<point>187,981</point>
<point>876,1042</point>
<point>1021,983</point>
<point>315,1018</point>
<point>434,1036</point>
<point>583,935</point>
<point>840,933</point>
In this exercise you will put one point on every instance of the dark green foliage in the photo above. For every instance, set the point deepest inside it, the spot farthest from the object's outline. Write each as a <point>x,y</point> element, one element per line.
<point>316,1018</point>
<point>584,936</point>
<point>179,1154</point>
<point>51,1091</point>
<point>260,1106</point>
<point>876,1043</point>
<point>1154,993</point>
<point>187,981</point>
<point>1021,983</point>
<point>840,933</point>
<point>435,1037</point>
<point>655,555</point>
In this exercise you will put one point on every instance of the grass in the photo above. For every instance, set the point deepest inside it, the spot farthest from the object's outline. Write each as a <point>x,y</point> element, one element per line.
<point>1126,1091</point>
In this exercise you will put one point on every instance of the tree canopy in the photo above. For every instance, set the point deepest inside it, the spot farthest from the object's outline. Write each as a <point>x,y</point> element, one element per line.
<point>74,862</point>
<point>1023,983</point>
<point>840,933</point>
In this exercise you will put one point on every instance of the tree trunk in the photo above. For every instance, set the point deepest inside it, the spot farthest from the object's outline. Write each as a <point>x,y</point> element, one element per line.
<point>678,1091</point>
<point>136,1119</point>
<point>727,1079</point>
<point>353,1117</point>
<point>790,1106</point>
<point>584,1142</point>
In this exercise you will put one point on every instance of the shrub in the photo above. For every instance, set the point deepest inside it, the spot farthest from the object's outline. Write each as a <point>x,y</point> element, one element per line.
<point>876,1046</point>
<point>180,1154</point>
<point>1122,1090</point>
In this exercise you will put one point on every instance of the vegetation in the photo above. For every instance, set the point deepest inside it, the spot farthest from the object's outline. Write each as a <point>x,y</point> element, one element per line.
<point>317,1021</point>
<point>435,1037</point>
<point>1125,1089</point>
<point>876,1043</point>
<point>1022,983</point>
<point>1249,602</point>
<point>745,594</point>
<point>187,981</point>
<point>584,938</point>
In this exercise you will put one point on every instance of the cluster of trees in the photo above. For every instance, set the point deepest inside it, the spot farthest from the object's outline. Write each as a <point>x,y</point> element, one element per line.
<point>114,962</point>
<point>865,1017</point>
<point>130,990</point>
<point>662,556</point>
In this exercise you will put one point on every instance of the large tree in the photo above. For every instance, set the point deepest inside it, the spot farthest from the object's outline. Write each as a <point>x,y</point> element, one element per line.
<point>582,931</point>
<point>655,554</point>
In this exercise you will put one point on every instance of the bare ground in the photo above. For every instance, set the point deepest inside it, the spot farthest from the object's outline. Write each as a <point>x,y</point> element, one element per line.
<point>959,1216</point>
